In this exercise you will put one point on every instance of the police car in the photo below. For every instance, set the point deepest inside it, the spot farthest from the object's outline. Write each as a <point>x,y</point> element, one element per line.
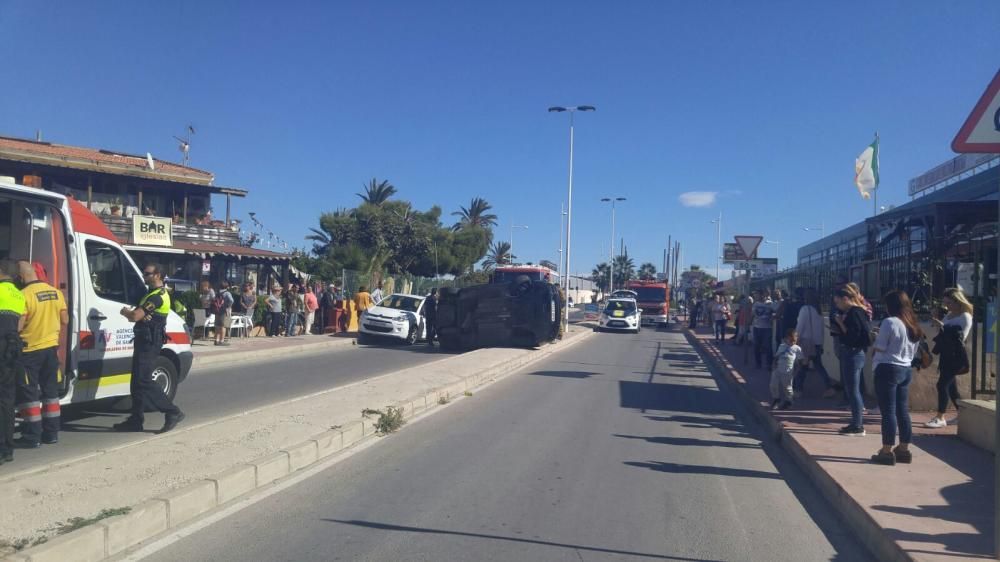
<point>620,314</point>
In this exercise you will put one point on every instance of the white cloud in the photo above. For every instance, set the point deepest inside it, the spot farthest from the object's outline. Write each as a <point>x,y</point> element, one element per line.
<point>698,198</point>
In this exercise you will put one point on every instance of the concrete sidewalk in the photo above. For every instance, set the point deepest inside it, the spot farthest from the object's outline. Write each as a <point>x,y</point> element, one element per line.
<point>941,507</point>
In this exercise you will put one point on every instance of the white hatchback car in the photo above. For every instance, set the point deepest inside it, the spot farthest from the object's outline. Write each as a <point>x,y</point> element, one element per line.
<point>620,314</point>
<point>398,316</point>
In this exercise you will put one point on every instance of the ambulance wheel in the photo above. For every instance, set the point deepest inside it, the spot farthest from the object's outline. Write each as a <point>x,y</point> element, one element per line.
<point>165,375</point>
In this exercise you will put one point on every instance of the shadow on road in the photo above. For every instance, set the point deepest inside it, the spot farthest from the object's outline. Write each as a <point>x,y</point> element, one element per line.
<point>565,374</point>
<point>390,527</point>
<point>691,442</point>
<point>700,469</point>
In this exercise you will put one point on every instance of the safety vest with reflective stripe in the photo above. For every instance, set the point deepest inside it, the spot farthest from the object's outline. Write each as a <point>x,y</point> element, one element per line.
<point>164,308</point>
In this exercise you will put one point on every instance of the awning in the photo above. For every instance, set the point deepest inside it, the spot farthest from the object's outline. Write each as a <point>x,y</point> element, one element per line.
<point>205,251</point>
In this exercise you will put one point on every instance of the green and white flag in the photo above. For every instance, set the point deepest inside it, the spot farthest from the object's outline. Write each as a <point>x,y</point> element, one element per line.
<point>866,170</point>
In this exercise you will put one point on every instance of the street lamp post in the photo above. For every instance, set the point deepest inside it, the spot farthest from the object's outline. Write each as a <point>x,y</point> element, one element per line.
<point>611,261</point>
<point>562,223</point>
<point>777,248</point>
<point>512,227</point>
<point>821,228</point>
<point>718,245</point>
<point>569,197</point>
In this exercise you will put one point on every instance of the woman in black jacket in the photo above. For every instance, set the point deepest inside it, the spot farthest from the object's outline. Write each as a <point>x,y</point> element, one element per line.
<point>854,332</point>
<point>949,346</point>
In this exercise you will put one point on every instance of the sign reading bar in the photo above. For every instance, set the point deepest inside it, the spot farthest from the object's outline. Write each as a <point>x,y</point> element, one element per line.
<point>151,231</point>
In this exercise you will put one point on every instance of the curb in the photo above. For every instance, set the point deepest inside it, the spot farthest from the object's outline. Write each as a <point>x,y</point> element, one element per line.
<point>213,359</point>
<point>851,513</point>
<point>115,535</point>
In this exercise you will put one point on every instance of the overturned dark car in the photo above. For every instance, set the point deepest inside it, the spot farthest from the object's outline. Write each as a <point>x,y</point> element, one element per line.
<point>521,313</point>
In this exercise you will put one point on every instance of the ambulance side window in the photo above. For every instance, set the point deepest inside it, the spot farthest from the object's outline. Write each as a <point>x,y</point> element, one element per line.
<point>111,275</point>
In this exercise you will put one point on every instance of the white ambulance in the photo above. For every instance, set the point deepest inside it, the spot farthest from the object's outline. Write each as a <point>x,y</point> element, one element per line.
<point>81,257</point>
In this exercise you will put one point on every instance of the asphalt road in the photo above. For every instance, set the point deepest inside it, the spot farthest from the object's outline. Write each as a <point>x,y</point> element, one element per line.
<point>215,392</point>
<point>623,448</point>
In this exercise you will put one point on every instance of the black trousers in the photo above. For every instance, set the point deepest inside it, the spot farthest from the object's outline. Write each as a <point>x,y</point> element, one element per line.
<point>38,394</point>
<point>947,388</point>
<point>277,323</point>
<point>431,323</point>
<point>7,407</point>
<point>145,391</point>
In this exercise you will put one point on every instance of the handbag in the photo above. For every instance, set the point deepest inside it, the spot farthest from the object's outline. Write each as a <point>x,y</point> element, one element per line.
<point>922,358</point>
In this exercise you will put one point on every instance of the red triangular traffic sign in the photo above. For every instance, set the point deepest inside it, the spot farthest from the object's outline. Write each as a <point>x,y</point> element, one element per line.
<point>749,245</point>
<point>981,131</point>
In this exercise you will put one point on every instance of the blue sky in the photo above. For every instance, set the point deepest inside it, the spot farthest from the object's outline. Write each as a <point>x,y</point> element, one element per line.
<point>765,104</point>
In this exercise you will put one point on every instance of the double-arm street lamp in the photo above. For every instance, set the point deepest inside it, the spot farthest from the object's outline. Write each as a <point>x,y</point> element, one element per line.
<point>821,228</point>
<point>611,262</point>
<point>569,197</point>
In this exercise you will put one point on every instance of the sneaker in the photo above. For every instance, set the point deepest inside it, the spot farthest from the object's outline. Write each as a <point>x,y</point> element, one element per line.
<point>172,421</point>
<point>904,457</point>
<point>22,443</point>
<point>128,425</point>
<point>829,393</point>
<point>852,431</point>
<point>50,439</point>
<point>882,457</point>
<point>936,423</point>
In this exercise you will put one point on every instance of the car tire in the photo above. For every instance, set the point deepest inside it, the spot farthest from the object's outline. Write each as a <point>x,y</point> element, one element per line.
<point>165,375</point>
<point>411,336</point>
<point>363,338</point>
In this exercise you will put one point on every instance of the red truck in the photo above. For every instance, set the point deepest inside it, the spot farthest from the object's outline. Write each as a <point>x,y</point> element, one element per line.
<point>653,297</point>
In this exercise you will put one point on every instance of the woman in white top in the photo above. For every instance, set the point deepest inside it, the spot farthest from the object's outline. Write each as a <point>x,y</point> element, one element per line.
<point>812,334</point>
<point>895,347</point>
<point>959,321</point>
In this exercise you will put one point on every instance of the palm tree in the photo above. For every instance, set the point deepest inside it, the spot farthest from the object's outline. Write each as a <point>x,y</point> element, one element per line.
<point>475,215</point>
<point>624,269</point>
<point>377,192</point>
<point>600,275</point>
<point>320,239</point>
<point>499,254</point>
<point>647,272</point>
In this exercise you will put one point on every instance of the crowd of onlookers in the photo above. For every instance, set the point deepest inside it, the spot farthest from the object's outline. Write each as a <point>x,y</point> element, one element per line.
<point>788,334</point>
<point>285,310</point>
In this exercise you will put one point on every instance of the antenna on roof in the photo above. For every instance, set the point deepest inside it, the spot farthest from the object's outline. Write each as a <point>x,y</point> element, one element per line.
<point>185,145</point>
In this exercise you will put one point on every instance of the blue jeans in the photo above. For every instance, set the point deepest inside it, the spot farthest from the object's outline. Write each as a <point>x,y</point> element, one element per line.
<point>762,346</point>
<point>720,330</point>
<point>852,365</point>
<point>892,386</point>
<point>817,363</point>
<point>291,322</point>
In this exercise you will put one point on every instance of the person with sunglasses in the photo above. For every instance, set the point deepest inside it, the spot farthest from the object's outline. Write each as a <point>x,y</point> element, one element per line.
<point>150,318</point>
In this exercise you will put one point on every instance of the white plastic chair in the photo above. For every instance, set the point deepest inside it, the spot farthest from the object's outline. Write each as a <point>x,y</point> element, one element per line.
<point>200,321</point>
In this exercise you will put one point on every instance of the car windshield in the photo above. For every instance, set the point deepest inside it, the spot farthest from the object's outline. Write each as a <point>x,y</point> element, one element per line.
<point>626,306</point>
<point>401,302</point>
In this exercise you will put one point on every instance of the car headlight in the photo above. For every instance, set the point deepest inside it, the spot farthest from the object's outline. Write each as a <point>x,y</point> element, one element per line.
<point>401,318</point>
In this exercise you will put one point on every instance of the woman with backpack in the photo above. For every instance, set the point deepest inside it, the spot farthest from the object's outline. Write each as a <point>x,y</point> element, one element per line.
<point>949,345</point>
<point>896,345</point>
<point>854,332</point>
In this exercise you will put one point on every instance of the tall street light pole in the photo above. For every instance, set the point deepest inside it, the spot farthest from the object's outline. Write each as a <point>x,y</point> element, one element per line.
<point>569,197</point>
<point>611,261</point>
<point>777,249</point>
<point>718,246</point>
<point>562,223</point>
<point>512,227</point>
<point>821,228</point>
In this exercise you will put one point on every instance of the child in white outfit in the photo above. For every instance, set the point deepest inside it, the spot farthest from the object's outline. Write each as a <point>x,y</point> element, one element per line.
<point>788,357</point>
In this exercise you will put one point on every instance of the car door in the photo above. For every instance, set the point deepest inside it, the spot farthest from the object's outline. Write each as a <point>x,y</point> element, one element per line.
<point>109,282</point>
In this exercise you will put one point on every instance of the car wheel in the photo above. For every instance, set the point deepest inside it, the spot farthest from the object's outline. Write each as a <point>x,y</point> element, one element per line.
<point>165,375</point>
<point>364,338</point>
<point>411,336</point>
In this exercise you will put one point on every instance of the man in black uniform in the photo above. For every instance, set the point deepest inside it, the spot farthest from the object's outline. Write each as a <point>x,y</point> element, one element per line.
<point>11,321</point>
<point>430,315</point>
<point>150,317</point>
